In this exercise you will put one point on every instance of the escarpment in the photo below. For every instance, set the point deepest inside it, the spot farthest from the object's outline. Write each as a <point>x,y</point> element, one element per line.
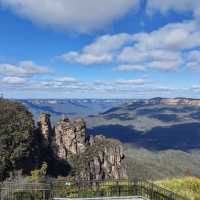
<point>174,101</point>
<point>91,157</point>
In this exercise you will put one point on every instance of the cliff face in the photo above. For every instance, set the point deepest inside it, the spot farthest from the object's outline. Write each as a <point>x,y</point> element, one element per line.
<point>101,160</point>
<point>107,158</point>
<point>94,157</point>
<point>192,102</point>
<point>173,102</point>
<point>70,137</point>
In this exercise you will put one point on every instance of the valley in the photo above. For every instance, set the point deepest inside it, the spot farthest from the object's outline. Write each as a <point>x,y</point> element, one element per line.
<point>154,132</point>
<point>72,108</point>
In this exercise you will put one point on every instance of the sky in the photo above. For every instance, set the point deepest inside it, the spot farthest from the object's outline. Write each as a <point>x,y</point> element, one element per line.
<point>99,49</point>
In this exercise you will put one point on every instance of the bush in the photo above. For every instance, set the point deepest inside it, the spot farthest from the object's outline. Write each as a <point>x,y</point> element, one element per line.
<point>16,136</point>
<point>39,175</point>
<point>188,187</point>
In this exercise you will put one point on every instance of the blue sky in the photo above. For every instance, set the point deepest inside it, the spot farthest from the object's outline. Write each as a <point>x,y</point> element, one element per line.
<point>99,49</point>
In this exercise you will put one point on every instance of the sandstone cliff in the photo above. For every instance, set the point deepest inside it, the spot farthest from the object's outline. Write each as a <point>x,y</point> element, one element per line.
<point>91,157</point>
<point>174,101</point>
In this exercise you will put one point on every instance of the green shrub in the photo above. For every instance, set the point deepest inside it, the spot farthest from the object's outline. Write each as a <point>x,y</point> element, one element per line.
<point>39,175</point>
<point>16,136</point>
<point>188,187</point>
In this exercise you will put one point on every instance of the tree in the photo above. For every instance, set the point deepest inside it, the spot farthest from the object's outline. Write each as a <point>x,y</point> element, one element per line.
<point>16,137</point>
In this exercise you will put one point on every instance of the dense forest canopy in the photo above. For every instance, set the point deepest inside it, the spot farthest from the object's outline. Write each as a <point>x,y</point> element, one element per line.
<point>16,137</point>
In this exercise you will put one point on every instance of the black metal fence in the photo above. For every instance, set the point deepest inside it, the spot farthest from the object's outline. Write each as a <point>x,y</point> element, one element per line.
<point>85,189</point>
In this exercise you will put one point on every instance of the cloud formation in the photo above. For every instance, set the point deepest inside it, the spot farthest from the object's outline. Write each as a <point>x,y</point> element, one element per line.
<point>141,51</point>
<point>86,58</point>
<point>129,82</point>
<point>180,6</point>
<point>12,80</point>
<point>129,68</point>
<point>173,36</point>
<point>193,60</point>
<point>101,51</point>
<point>71,15</point>
<point>23,69</point>
<point>73,88</point>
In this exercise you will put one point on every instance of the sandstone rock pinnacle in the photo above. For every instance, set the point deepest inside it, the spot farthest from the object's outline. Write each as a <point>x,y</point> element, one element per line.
<point>45,126</point>
<point>96,157</point>
<point>70,137</point>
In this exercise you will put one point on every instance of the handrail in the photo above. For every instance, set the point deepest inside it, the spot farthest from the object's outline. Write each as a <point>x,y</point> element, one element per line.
<point>164,191</point>
<point>86,188</point>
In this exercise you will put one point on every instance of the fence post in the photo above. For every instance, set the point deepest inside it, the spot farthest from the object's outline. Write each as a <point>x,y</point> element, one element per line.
<point>119,189</point>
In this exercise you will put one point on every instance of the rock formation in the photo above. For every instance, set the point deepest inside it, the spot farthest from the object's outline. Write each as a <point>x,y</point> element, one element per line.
<point>70,137</point>
<point>93,157</point>
<point>106,160</point>
<point>45,126</point>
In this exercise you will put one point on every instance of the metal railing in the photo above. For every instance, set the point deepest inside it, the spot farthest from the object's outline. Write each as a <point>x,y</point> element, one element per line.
<point>85,189</point>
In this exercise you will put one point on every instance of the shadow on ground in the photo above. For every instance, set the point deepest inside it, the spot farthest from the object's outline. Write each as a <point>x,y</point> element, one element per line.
<point>183,137</point>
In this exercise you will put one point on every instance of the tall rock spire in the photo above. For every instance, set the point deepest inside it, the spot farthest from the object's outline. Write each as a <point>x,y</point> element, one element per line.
<point>45,126</point>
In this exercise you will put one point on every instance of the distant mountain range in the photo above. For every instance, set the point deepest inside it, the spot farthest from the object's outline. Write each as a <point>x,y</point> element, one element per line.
<point>156,124</point>
<point>71,107</point>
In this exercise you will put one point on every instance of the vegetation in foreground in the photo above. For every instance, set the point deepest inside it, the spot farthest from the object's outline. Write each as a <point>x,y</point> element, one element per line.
<point>188,187</point>
<point>22,147</point>
<point>16,138</point>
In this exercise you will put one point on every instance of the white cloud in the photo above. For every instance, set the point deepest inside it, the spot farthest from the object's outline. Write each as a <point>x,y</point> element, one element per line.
<point>163,7</point>
<point>13,80</point>
<point>71,15</point>
<point>174,36</point>
<point>129,68</point>
<point>23,69</point>
<point>165,65</point>
<point>193,65</point>
<point>66,79</point>
<point>62,82</point>
<point>108,43</point>
<point>193,59</point>
<point>163,49</point>
<point>139,81</point>
<point>193,56</point>
<point>85,58</point>
<point>101,51</point>
<point>132,55</point>
<point>164,46</point>
<point>158,59</point>
<point>60,87</point>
